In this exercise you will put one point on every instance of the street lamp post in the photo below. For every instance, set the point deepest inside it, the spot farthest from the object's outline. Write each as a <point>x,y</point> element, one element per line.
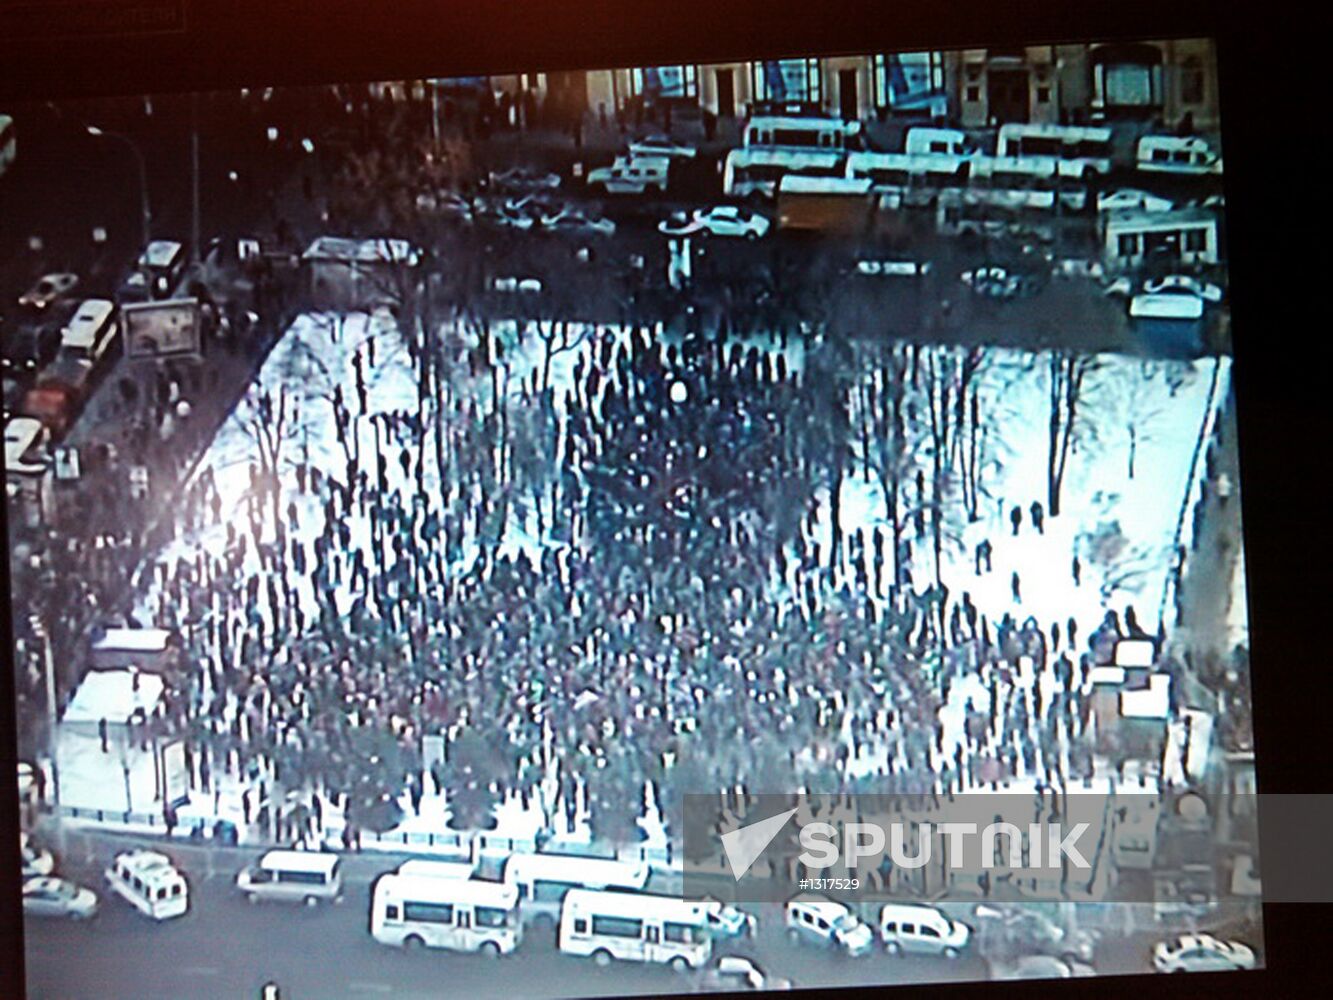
<point>93,130</point>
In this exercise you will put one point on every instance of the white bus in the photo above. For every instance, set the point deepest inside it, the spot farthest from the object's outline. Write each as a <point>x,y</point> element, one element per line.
<point>419,911</point>
<point>1177,155</point>
<point>543,880</point>
<point>635,927</point>
<point>800,133</point>
<point>149,882</point>
<point>937,140</point>
<point>756,170</point>
<point>437,869</point>
<point>1026,182</point>
<point>91,330</point>
<point>1080,151</point>
<point>8,144</point>
<point>909,178</point>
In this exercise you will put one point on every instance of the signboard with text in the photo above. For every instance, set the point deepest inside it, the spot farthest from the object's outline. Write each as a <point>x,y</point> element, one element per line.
<point>161,329</point>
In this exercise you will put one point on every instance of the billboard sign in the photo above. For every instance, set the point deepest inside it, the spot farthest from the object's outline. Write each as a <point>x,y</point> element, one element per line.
<point>161,329</point>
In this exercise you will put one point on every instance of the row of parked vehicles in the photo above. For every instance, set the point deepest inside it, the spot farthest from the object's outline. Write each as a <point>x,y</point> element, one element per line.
<point>600,909</point>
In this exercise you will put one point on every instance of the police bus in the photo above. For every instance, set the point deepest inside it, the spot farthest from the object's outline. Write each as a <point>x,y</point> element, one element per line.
<point>543,880</point>
<point>635,927</point>
<point>429,911</point>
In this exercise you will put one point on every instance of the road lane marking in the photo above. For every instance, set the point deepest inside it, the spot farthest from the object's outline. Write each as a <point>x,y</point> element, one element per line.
<point>370,987</point>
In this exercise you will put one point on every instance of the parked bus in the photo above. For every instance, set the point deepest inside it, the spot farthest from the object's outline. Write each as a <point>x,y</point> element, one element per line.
<point>947,141</point>
<point>417,911</point>
<point>543,880</point>
<point>8,145</point>
<point>91,331</point>
<point>1026,182</point>
<point>825,204</point>
<point>1081,152</point>
<point>790,132</point>
<point>635,927</point>
<point>756,171</point>
<point>909,178</point>
<point>149,882</point>
<point>1186,236</point>
<point>1177,155</point>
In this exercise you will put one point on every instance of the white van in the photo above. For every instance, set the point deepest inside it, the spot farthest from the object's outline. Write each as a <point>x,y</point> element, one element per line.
<point>542,880</point>
<point>292,876</point>
<point>632,175</point>
<point>426,911</point>
<point>1177,155</point>
<point>635,927</point>
<point>92,330</point>
<point>824,922</point>
<point>149,882</point>
<point>921,930</point>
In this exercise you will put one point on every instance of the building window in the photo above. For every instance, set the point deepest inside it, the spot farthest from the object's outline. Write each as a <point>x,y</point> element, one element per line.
<point>794,80</point>
<point>1128,245</point>
<point>973,94</point>
<point>906,80</point>
<point>1196,240</point>
<point>666,82</point>
<point>1043,95</point>
<point>1191,81</point>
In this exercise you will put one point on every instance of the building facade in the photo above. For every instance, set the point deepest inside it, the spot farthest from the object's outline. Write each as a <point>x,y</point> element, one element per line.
<point>1160,83</point>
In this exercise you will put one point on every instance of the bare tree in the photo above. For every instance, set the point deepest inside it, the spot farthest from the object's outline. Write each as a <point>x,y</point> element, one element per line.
<point>1068,373</point>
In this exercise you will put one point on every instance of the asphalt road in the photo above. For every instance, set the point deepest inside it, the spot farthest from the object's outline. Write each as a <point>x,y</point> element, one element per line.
<point>227,947</point>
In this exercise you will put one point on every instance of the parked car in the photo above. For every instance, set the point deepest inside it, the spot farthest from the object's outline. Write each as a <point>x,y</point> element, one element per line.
<point>632,175</point>
<point>727,220</point>
<point>525,179</point>
<point>445,205</point>
<point>525,211</point>
<point>1173,302</point>
<point>661,145</point>
<point>1023,928</point>
<point>1000,283</point>
<point>893,268</point>
<point>921,930</point>
<point>736,974</point>
<point>1203,289</point>
<point>832,925</point>
<point>36,860</point>
<point>55,897</point>
<point>1201,953</point>
<point>48,289</point>
<point>1132,199</point>
<point>527,285</point>
<point>1040,967</point>
<point>730,921</point>
<point>572,221</point>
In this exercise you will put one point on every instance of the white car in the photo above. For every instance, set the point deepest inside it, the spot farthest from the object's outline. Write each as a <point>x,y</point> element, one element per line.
<point>729,220</point>
<point>660,145</point>
<point>49,288</point>
<point>1169,303</point>
<point>575,222</point>
<point>36,861</point>
<point>1203,289</point>
<point>1201,953</point>
<point>54,897</point>
<point>823,922</point>
<point>1040,967</point>
<point>527,285</point>
<point>736,974</point>
<point>893,268</point>
<point>1133,199</point>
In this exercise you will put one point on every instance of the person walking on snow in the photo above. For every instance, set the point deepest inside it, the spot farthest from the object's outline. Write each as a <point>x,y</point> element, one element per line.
<point>1016,518</point>
<point>1037,517</point>
<point>1014,584</point>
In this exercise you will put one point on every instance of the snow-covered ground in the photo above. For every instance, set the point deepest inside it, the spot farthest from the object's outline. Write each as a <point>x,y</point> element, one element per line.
<point>1168,405</point>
